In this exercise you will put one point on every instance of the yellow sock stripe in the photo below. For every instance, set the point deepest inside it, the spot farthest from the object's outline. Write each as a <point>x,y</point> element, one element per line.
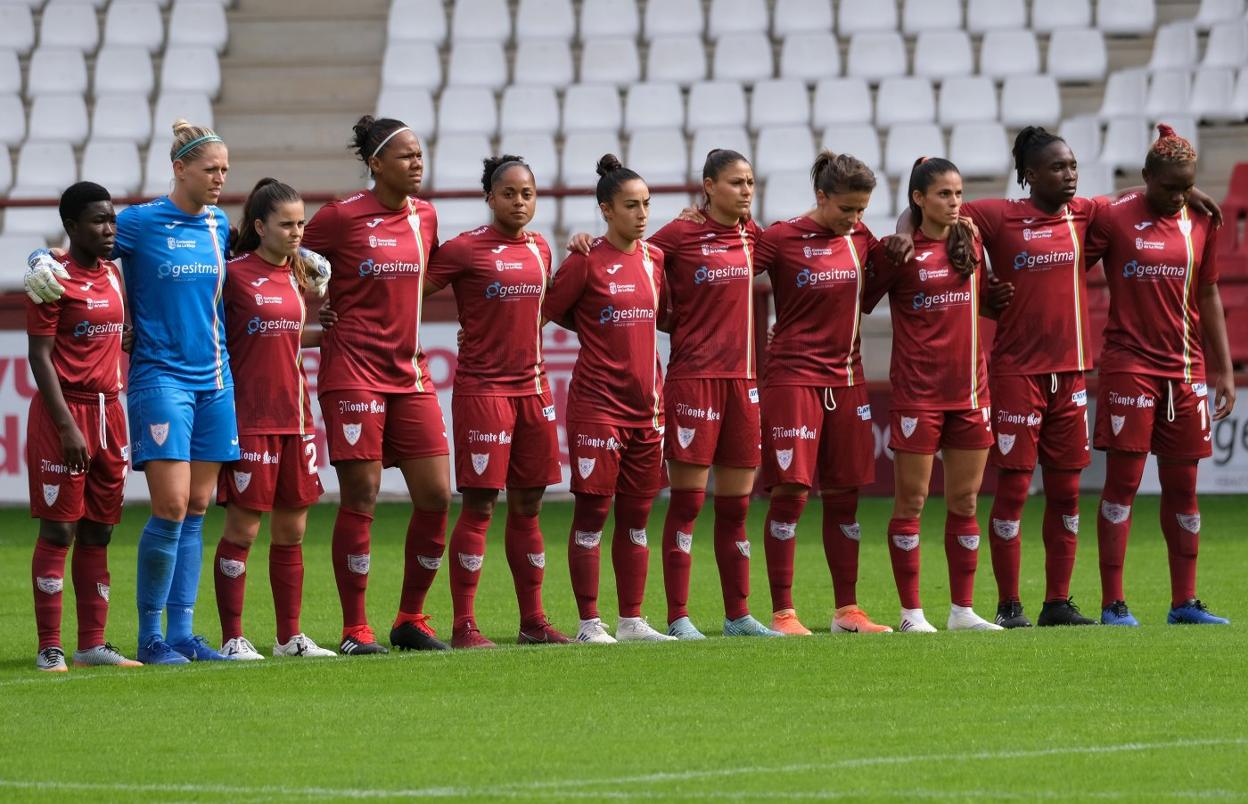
<point>749,302</point>
<point>1185,226</point>
<point>654,330</point>
<point>1075,274</point>
<point>413,220</point>
<point>541,297</point>
<point>849,359</point>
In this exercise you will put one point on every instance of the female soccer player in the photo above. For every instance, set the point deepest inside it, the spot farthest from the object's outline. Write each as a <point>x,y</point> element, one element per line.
<point>76,444</point>
<point>504,414</point>
<point>1162,276</point>
<point>376,396</point>
<point>815,413</point>
<point>940,389</point>
<point>277,470</point>
<point>612,299</point>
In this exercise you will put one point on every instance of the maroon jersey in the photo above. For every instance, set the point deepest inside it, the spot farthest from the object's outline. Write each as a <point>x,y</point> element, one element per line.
<point>379,257</point>
<point>938,360</point>
<point>709,269</point>
<point>264,316</point>
<point>817,280</point>
<point>1153,265</point>
<point>612,300</point>
<point>87,324</point>
<point>499,285</point>
<point>1045,327</point>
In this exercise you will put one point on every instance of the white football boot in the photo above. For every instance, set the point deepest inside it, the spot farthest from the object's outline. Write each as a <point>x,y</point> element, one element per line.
<point>636,629</point>
<point>964,618</point>
<point>593,632</point>
<point>913,622</point>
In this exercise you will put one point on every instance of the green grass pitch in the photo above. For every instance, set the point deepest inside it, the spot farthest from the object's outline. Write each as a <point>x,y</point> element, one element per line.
<point>1157,713</point>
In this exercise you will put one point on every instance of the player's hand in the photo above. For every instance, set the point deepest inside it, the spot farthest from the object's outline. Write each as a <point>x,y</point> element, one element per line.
<point>691,214</point>
<point>40,281</point>
<point>580,242</point>
<point>998,294</point>
<point>327,316</point>
<point>127,338</point>
<point>74,450</point>
<point>899,248</point>
<point>1201,201</point>
<point>318,271</point>
<point>1223,397</point>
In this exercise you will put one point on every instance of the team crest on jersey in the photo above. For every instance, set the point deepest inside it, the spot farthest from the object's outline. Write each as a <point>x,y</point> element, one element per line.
<point>1071,523</point>
<point>908,423</point>
<point>1189,522</point>
<point>589,539</point>
<point>782,531</point>
<point>479,462</point>
<point>1114,513</point>
<point>471,562</point>
<point>430,563</point>
<point>684,541</point>
<point>685,436</point>
<point>1116,423</point>
<point>969,540</point>
<point>359,563</point>
<point>905,541</point>
<point>241,481</point>
<point>784,457</point>
<point>638,536</point>
<point>50,492</point>
<point>1005,442</point>
<point>536,559</point>
<point>743,548</point>
<point>159,432</point>
<point>1005,528</point>
<point>102,589</point>
<point>50,586</point>
<point>351,432</point>
<point>852,531</point>
<point>585,466</point>
<point>232,568</point>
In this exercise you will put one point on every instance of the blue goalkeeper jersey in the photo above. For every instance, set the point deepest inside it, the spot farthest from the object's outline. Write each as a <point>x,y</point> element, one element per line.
<point>174,264</point>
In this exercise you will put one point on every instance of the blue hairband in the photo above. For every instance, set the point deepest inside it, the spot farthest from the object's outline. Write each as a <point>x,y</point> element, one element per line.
<point>195,143</point>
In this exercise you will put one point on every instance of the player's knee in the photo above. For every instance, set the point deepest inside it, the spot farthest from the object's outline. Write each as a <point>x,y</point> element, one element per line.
<point>435,499</point>
<point>481,501</point>
<point>908,505</point>
<point>962,503</point>
<point>360,495</point>
<point>94,534</point>
<point>526,502</point>
<point>172,508</point>
<point>60,534</point>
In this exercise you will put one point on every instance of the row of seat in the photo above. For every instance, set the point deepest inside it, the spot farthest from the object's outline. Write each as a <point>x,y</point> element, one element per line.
<point>1213,94</point>
<point>74,24</point>
<point>122,117</point>
<point>128,69</point>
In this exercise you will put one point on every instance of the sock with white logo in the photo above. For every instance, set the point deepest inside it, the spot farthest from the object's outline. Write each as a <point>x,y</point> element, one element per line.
<point>229,575</point>
<point>184,590</point>
<point>467,557</point>
<point>1004,530</point>
<point>903,552</point>
<point>1061,526</point>
<point>630,554</point>
<point>526,555</point>
<point>780,546</point>
<point>350,552</point>
<point>682,511</point>
<point>1113,519</point>
<point>962,555</point>
<point>422,555</point>
<point>91,592</point>
<point>589,517</point>
<point>732,553</point>
<point>841,537</point>
<point>286,579</point>
<point>47,577</point>
<point>1180,522</point>
<point>158,553</point>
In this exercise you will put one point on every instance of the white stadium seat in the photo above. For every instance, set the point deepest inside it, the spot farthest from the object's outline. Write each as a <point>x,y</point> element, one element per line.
<point>876,56</point>
<point>46,164</point>
<point>801,16</point>
<point>457,161</point>
<point>477,64</point>
<point>581,151</point>
<point>417,21</point>
<point>674,18</point>
<point>488,20</point>
<point>733,138</point>
<point>743,57</point>
<point>538,150</point>
<point>665,207</point>
<point>943,54</point>
<point>1126,142</point>
<point>15,247</point>
<point>412,105</point>
<point>529,110</point>
<point>783,148</point>
<point>545,19</point>
<point>580,213</point>
<point>907,142</point>
<point>1049,15</point>
<point>979,149</point>
<point>1213,94</point>
<point>70,24</point>
<point>1077,55</point>
<point>1030,100</point>
<point>191,106</point>
<point>411,64</point>
<point>467,110</point>
<point>785,195</point>
<point>1083,134</point>
<point>779,102</point>
<point>653,105</point>
<point>918,16</point>
<point>1125,93</point>
<point>904,100</point>
<point>123,69</point>
<point>17,28</point>
<point>591,107</point>
<point>157,170</point>
<point>121,117</point>
<point>857,139</point>
<point>679,59</point>
<point>191,69</point>
<point>113,164</point>
<point>842,100</point>
<point>715,103</point>
<point>609,19</point>
<point>736,16</point>
<point>56,118</point>
<point>854,16</point>
<point>56,70</point>
<point>1174,47</point>
<point>135,23</point>
<point>659,155</point>
<point>969,99</point>
<point>1212,12</point>
<point>1009,52</point>
<point>459,215</point>
<point>1096,179</point>
<point>1227,45</point>
<point>992,15</point>
<point>1239,103</point>
<point>10,73</point>
<point>1169,94</point>
<point>192,23</point>
<point>1118,17</point>
<point>610,61</point>
<point>43,222</point>
<point>1185,126</point>
<point>810,57</point>
<point>547,62</point>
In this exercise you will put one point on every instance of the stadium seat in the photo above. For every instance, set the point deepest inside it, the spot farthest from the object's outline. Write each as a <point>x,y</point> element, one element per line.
<point>591,107</point>
<point>1227,45</point>
<point>15,247</point>
<point>907,142</point>
<point>1239,102</point>
<point>779,102</point>
<point>530,109</point>
<point>653,105</point>
<point>1013,190</point>
<point>190,69</point>
<point>918,16</point>
<point>609,19</point>
<point>783,148</point>
<point>904,100</point>
<point>417,21</point>
<point>70,24</point>
<point>810,57</point>
<point>666,207</point>
<point>459,215</point>
<point>743,57</point>
<point>979,149</point>
<point>10,73</point>
<point>43,222</point>
<point>1077,55</point>
<point>538,149</point>
<point>1184,125</point>
<point>135,23</point>
<point>581,152</point>
<point>715,103</point>
<point>545,62</point>
<point>1030,100</point>
<point>1125,93</point>
<point>17,28</point>
<point>457,161</point>
<point>1212,12</point>
<point>157,170</point>
<point>801,17</point>
<point>705,139</point>
<point>545,19</point>
<point>412,105</point>
<point>674,18</point>
<point>842,100</point>
<point>411,65</point>
<point>121,117</point>
<point>487,20</point>
<point>477,64</point>
<point>580,213</point>
<point>1126,142</point>
<point>858,139</point>
<point>55,70</point>
<point>676,59</point>
<point>1174,47</point>
<point>189,105</point>
<point>12,120</point>
<point>991,15</point>
<point>659,155</point>
<point>1117,17</point>
<point>857,17</point>
<point>1049,15</point>
<point>736,16</point>
<point>785,195</point>
<point>1083,134</point>
<point>193,23</point>
<point>46,164</point>
<point>125,69</point>
<point>1009,52</point>
<point>968,99</point>
<point>57,118</point>
<point>943,54</point>
<point>467,110</point>
<point>113,164</point>
<point>1096,179</point>
<point>610,61</point>
<point>1169,94</point>
<point>876,56</point>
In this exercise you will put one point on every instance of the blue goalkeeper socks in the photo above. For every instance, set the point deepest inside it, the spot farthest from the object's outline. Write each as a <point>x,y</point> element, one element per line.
<point>185,587</point>
<point>158,553</point>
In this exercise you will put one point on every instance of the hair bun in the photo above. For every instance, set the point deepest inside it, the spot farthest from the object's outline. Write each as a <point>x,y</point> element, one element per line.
<point>1164,131</point>
<point>608,164</point>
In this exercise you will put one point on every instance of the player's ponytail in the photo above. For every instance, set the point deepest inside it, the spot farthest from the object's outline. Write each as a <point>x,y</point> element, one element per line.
<point>261,202</point>
<point>612,174</point>
<point>834,173</point>
<point>1030,141</point>
<point>961,243</point>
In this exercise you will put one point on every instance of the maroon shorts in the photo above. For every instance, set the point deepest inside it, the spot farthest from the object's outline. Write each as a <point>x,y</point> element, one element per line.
<point>808,429</point>
<point>505,441</point>
<point>96,494</point>
<point>608,459</point>
<point>1040,417</point>
<point>928,431</point>
<point>1143,413</point>
<point>365,426</point>
<point>274,471</point>
<point>712,422</point>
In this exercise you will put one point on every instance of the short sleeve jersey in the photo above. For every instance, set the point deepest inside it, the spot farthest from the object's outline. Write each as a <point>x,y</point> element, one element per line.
<point>709,270</point>
<point>817,280</point>
<point>264,313</point>
<point>499,285</point>
<point>1154,265</point>
<point>938,360</point>
<point>174,264</point>
<point>1045,327</point>
<point>613,300</point>
<point>86,325</point>
<point>378,258</point>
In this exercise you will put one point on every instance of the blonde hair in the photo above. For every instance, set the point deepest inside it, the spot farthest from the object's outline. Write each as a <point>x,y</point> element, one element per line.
<point>189,140</point>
